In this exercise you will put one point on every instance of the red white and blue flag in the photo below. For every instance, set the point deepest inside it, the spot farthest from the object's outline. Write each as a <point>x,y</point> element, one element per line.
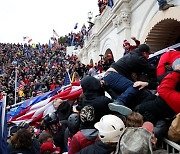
<point>27,38</point>
<point>55,33</point>
<point>33,111</point>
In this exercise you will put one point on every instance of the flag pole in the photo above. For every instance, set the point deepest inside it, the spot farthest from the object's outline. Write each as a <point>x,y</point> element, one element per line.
<point>3,111</point>
<point>53,35</point>
<point>69,75</point>
<point>15,85</point>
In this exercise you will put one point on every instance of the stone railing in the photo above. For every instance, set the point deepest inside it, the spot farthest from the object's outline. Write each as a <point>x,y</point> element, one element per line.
<point>119,13</point>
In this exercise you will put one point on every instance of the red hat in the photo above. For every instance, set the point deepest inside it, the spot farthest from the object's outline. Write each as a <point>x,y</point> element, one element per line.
<point>148,126</point>
<point>125,43</point>
<point>91,65</point>
<point>49,146</point>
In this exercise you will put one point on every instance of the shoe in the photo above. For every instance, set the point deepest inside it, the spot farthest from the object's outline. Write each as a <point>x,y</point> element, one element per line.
<point>166,6</point>
<point>116,106</point>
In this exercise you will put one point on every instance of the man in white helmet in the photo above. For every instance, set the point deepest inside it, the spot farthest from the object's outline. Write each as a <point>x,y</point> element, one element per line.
<point>110,129</point>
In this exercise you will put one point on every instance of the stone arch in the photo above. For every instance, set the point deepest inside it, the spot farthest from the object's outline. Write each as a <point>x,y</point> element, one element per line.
<point>108,51</point>
<point>108,47</point>
<point>163,34</point>
<point>91,61</point>
<point>163,30</point>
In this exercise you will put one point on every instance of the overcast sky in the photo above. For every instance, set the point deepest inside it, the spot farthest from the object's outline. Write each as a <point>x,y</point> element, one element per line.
<point>38,18</point>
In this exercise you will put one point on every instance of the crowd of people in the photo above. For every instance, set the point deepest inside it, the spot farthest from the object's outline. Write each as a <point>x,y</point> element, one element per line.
<point>143,101</point>
<point>128,110</point>
<point>40,68</point>
<point>77,39</point>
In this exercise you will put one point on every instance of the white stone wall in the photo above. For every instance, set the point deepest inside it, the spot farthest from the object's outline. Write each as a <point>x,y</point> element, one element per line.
<point>127,18</point>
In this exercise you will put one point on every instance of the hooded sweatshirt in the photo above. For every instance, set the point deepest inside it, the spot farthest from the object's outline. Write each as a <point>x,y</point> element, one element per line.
<point>94,95</point>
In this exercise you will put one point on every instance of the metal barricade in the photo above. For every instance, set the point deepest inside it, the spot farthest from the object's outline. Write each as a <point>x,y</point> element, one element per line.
<point>171,147</point>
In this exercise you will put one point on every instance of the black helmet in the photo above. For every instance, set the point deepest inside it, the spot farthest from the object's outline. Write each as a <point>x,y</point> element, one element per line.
<point>51,118</point>
<point>74,122</point>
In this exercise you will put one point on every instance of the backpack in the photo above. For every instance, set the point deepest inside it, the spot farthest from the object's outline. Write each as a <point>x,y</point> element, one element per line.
<point>135,141</point>
<point>174,129</point>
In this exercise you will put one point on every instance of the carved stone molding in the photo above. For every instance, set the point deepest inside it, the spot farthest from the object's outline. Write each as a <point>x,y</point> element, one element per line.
<point>115,22</point>
<point>125,15</point>
<point>95,45</point>
<point>123,18</point>
<point>106,15</point>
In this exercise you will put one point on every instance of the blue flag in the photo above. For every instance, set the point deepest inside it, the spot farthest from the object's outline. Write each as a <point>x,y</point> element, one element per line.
<point>110,3</point>
<point>67,79</point>
<point>3,129</point>
<point>72,42</point>
<point>76,26</point>
<point>28,54</point>
<point>40,47</point>
<point>50,44</point>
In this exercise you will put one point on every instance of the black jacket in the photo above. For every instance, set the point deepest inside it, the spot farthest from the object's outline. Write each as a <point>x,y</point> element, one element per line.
<point>134,62</point>
<point>94,96</point>
<point>98,148</point>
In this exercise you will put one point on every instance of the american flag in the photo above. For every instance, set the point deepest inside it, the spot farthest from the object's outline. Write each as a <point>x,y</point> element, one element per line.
<point>27,37</point>
<point>33,113</point>
<point>54,33</point>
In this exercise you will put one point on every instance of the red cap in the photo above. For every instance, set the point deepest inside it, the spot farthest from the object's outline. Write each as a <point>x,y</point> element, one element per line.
<point>125,43</point>
<point>49,146</point>
<point>148,126</point>
<point>91,65</point>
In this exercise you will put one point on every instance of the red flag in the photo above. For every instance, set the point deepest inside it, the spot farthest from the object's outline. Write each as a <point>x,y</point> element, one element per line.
<point>29,40</point>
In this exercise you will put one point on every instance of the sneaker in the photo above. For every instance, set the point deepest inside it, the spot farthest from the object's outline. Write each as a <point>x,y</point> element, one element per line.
<point>166,6</point>
<point>116,106</point>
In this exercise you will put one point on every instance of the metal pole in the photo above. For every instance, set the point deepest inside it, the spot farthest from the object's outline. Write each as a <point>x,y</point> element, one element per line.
<point>15,85</point>
<point>3,111</point>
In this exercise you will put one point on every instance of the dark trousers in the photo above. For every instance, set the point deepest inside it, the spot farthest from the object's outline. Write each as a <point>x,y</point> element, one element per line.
<point>123,85</point>
<point>154,108</point>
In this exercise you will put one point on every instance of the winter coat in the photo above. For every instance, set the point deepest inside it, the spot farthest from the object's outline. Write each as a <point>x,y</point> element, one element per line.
<point>98,148</point>
<point>134,62</point>
<point>132,47</point>
<point>167,58</point>
<point>82,139</point>
<point>94,96</point>
<point>168,92</point>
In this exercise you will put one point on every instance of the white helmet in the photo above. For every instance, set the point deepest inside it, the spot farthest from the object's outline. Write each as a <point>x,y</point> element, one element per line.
<point>110,128</point>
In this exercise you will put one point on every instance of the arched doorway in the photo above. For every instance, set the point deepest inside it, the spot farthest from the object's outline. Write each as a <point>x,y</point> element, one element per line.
<point>108,59</point>
<point>108,53</point>
<point>164,34</point>
<point>91,62</point>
